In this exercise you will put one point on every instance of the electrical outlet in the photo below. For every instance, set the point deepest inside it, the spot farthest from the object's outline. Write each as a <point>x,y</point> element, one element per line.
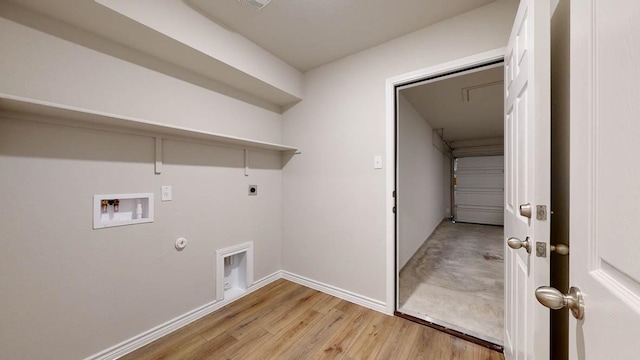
<point>227,286</point>
<point>166,193</point>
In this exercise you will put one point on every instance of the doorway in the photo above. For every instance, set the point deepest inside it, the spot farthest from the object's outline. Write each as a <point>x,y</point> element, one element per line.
<point>449,181</point>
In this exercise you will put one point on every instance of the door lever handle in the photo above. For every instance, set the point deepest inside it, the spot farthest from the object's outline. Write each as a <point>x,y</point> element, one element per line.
<point>516,244</point>
<point>554,299</point>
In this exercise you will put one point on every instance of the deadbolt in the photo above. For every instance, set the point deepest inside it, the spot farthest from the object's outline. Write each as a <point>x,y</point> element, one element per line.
<point>541,249</point>
<point>525,210</point>
<point>554,299</point>
<point>516,244</point>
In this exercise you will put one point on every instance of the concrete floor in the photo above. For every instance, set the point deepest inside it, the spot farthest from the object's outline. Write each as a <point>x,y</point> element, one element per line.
<point>456,279</point>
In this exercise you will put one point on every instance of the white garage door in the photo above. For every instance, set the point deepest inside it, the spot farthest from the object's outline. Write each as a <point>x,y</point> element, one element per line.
<point>479,190</point>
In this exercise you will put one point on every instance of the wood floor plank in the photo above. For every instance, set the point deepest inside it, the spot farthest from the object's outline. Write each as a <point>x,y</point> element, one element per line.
<point>324,307</point>
<point>174,351</point>
<point>284,320</point>
<point>250,342</point>
<point>430,344</point>
<point>158,348</point>
<point>285,339</point>
<point>213,349</point>
<point>295,302</point>
<point>315,336</point>
<point>265,294</point>
<point>340,341</point>
<point>244,311</point>
<point>369,342</point>
<point>402,334</point>
<point>436,345</point>
<point>280,317</point>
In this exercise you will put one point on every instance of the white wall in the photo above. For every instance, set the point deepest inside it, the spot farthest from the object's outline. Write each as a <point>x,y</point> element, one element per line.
<point>69,291</point>
<point>40,66</point>
<point>421,205</point>
<point>169,17</point>
<point>334,201</point>
<point>79,291</point>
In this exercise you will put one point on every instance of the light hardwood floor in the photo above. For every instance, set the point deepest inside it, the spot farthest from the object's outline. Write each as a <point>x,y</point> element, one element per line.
<point>285,320</point>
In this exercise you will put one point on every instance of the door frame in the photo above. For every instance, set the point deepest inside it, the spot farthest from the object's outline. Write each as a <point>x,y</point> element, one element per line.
<point>390,156</point>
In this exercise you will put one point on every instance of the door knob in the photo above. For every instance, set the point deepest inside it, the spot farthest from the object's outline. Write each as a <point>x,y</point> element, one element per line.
<point>554,299</point>
<point>525,210</point>
<point>516,244</point>
<point>560,249</point>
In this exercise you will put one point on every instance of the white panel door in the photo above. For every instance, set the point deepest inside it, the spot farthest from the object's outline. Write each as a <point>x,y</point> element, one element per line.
<point>604,170</point>
<point>479,190</point>
<point>527,179</point>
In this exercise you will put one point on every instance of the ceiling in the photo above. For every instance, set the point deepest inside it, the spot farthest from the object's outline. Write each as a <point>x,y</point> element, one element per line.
<point>303,33</point>
<point>309,33</point>
<point>467,107</point>
<point>92,25</point>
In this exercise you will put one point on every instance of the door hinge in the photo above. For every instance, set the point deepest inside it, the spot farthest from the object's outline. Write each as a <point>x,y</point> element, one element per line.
<point>394,193</point>
<point>394,209</point>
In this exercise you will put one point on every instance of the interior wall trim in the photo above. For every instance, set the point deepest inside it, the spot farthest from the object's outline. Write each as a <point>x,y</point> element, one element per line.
<point>362,300</point>
<point>392,85</point>
<point>159,331</point>
<point>456,333</point>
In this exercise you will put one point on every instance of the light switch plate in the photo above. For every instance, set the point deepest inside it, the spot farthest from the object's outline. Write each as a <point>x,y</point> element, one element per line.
<point>377,162</point>
<point>166,193</point>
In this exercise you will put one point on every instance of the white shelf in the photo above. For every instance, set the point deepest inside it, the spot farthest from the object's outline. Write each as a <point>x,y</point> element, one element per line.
<point>25,108</point>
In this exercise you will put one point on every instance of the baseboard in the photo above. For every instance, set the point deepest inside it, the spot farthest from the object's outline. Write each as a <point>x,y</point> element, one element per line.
<point>337,292</point>
<point>159,331</point>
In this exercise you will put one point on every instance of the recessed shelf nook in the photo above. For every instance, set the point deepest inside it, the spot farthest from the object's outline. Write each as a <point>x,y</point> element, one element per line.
<point>122,209</point>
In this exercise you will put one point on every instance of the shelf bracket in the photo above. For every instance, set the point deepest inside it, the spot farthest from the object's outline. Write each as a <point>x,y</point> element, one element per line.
<point>158,165</point>
<point>246,162</point>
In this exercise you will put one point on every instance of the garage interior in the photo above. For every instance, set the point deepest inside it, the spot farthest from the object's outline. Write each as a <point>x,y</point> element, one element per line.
<point>450,195</point>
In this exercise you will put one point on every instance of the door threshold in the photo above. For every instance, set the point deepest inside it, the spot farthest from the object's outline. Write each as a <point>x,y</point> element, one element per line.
<point>456,333</point>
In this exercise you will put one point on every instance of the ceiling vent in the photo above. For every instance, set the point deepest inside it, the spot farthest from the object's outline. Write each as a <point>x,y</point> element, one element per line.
<point>255,4</point>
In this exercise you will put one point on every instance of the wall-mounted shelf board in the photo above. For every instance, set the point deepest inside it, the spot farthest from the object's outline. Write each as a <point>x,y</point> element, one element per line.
<point>149,47</point>
<point>31,109</point>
